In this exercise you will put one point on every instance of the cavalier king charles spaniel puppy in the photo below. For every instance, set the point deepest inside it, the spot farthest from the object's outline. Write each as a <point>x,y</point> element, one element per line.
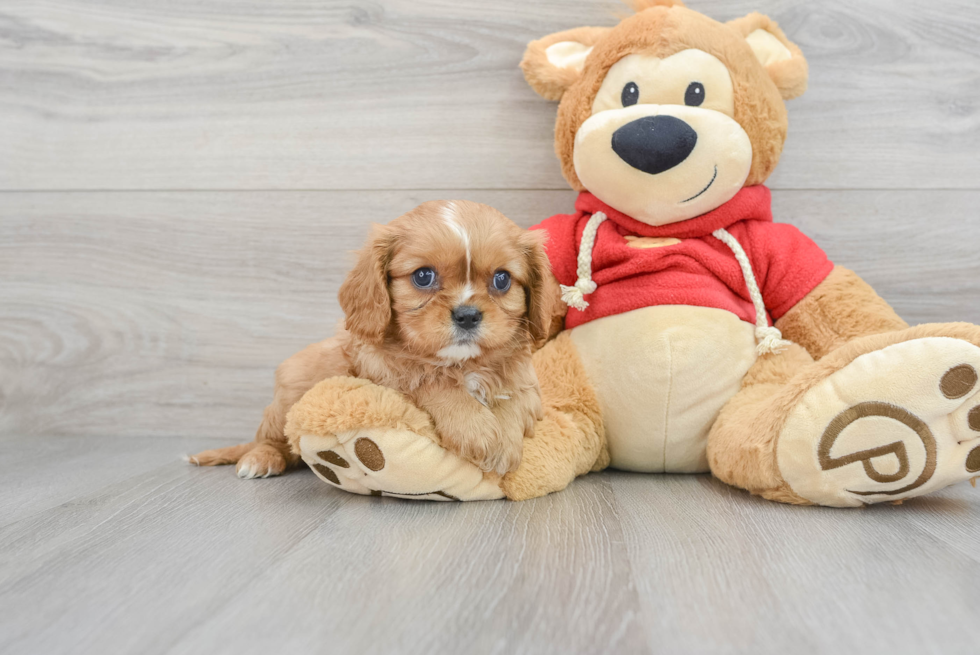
<point>445,305</point>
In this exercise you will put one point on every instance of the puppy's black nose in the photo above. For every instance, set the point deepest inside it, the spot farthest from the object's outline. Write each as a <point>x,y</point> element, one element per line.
<point>467,316</point>
<point>654,144</point>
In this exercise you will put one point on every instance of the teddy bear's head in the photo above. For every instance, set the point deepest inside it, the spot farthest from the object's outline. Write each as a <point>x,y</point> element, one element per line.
<point>669,114</point>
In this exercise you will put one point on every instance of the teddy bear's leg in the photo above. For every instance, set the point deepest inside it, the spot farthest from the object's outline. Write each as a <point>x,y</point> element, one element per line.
<point>569,441</point>
<point>882,418</point>
<point>739,453</point>
<point>371,440</point>
<point>367,439</point>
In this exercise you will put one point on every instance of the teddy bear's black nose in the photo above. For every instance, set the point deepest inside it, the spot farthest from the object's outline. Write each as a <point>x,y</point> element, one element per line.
<point>654,144</point>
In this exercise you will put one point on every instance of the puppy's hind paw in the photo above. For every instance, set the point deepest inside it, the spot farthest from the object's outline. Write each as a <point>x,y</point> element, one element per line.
<point>262,462</point>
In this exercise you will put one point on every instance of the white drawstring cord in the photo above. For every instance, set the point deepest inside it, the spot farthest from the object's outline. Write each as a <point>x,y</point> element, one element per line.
<point>574,296</point>
<point>769,339</point>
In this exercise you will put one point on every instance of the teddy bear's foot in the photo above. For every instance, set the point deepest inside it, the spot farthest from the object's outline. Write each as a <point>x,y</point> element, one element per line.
<point>370,440</point>
<point>392,462</point>
<point>894,423</point>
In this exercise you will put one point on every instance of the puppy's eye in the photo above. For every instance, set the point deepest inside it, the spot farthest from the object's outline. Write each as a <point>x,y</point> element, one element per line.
<point>695,94</point>
<point>631,94</point>
<point>501,281</point>
<point>424,278</point>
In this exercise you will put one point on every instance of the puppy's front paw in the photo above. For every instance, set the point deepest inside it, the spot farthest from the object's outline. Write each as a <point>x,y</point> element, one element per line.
<point>476,439</point>
<point>493,451</point>
<point>504,459</point>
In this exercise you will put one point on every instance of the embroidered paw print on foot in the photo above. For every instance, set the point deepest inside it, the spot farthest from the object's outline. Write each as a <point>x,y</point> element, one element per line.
<point>893,424</point>
<point>397,463</point>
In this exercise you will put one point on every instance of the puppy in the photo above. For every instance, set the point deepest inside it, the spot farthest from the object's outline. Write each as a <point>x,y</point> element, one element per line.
<point>445,305</point>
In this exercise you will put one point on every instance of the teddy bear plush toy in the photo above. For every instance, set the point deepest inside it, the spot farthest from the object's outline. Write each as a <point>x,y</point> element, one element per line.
<point>699,335</point>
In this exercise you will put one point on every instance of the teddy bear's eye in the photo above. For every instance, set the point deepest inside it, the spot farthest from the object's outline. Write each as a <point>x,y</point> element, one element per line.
<point>631,94</point>
<point>695,94</point>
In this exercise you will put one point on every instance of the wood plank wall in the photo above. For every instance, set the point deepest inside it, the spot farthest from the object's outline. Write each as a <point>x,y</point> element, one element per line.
<point>181,182</point>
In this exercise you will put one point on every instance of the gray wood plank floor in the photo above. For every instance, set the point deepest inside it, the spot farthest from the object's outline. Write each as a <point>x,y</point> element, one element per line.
<point>181,183</point>
<point>166,558</point>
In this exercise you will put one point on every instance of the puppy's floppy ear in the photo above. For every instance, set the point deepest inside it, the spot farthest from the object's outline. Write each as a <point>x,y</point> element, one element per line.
<point>781,58</point>
<point>364,295</point>
<point>555,62</point>
<point>545,310</point>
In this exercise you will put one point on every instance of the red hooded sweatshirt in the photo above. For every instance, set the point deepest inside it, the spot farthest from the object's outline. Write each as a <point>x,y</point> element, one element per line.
<point>700,270</point>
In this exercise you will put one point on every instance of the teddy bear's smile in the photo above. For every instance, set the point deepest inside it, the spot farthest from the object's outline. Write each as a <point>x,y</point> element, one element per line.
<point>714,177</point>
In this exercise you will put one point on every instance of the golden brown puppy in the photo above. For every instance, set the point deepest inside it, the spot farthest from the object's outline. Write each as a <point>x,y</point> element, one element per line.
<point>444,304</point>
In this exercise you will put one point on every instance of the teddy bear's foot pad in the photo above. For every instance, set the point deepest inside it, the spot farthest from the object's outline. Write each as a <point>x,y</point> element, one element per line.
<point>393,462</point>
<point>894,423</point>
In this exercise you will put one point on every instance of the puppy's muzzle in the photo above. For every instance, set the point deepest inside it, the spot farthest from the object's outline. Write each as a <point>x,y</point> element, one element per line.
<point>654,144</point>
<point>467,317</point>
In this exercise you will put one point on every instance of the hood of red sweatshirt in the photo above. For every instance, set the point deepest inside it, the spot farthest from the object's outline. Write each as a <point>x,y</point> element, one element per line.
<point>750,203</point>
<point>697,270</point>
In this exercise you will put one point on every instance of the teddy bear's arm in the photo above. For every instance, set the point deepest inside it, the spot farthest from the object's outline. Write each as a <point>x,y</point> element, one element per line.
<point>841,308</point>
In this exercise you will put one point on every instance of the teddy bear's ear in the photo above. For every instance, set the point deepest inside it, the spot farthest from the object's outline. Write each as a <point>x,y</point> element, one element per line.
<point>554,63</point>
<point>781,57</point>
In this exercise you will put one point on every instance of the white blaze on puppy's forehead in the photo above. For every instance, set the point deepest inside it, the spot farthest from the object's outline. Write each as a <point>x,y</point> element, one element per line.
<point>452,220</point>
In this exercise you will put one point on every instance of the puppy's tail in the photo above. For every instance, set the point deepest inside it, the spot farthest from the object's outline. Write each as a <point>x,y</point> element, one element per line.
<point>219,456</point>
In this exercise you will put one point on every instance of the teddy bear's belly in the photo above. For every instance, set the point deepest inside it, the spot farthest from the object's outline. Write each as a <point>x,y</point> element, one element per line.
<point>662,374</point>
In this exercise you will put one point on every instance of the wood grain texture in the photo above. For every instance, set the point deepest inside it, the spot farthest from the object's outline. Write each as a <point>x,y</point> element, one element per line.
<point>726,572</point>
<point>162,314</point>
<point>187,560</point>
<point>241,94</point>
<point>118,570</point>
<point>166,314</point>
<point>77,467</point>
<point>178,559</point>
<point>542,577</point>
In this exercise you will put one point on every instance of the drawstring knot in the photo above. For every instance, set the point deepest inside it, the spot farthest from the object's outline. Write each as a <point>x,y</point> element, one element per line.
<point>574,296</point>
<point>768,338</point>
